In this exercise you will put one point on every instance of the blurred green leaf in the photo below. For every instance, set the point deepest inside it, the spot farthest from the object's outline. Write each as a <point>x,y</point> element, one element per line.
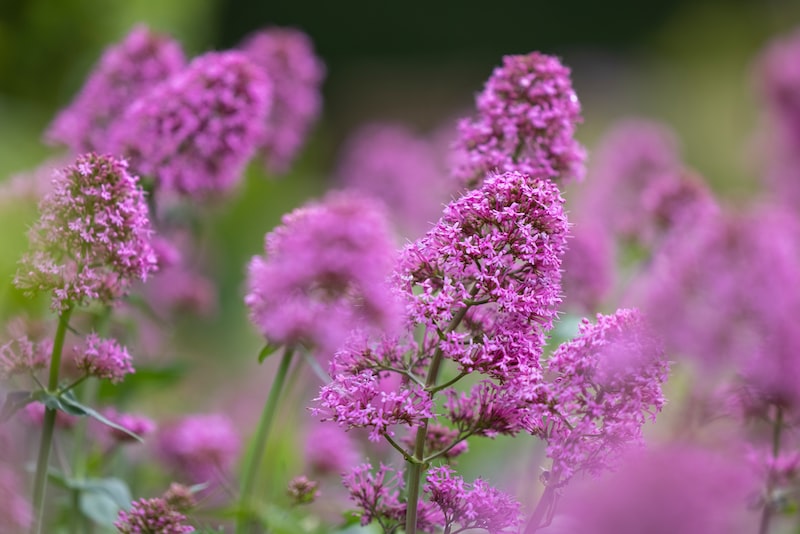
<point>267,351</point>
<point>15,401</point>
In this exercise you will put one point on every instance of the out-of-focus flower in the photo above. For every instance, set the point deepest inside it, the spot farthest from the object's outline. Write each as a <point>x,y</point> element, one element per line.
<point>302,490</point>
<point>675,489</point>
<point>93,238</point>
<point>102,358</point>
<point>138,424</point>
<point>287,57</point>
<point>526,121</point>
<point>16,514</point>
<point>202,447</point>
<point>588,267</point>
<point>195,131</point>
<point>152,516</point>
<point>21,355</point>
<point>392,163</point>
<point>324,274</point>
<point>329,449</point>
<point>125,71</point>
<point>34,413</point>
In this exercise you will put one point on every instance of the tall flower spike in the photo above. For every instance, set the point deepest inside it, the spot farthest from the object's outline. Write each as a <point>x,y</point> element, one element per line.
<point>324,274</point>
<point>287,56</point>
<point>93,238</point>
<point>526,121</point>
<point>125,71</point>
<point>605,384</point>
<point>194,132</point>
<point>495,255</point>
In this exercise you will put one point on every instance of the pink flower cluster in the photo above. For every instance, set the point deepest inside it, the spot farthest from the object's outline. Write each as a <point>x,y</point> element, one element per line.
<point>324,274</point>
<point>526,121</point>
<point>21,355</point>
<point>202,447</point>
<point>471,506</point>
<point>359,401</point>
<point>93,238</point>
<point>126,71</point>
<point>494,258</point>
<point>603,386</point>
<point>195,131</point>
<point>147,516</point>
<point>287,57</point>
<point>102,358</point>
<point>16,514</point>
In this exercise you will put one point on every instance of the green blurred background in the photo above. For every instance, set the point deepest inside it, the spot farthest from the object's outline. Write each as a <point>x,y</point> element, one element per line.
<point>687,63</point>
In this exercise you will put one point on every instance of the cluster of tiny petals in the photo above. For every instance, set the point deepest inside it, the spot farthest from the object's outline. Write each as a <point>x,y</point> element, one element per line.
<point>324,274</point>
<point>490,409</point>
<point>102,358</point>
<point>497,249</point>
<point>22,355</point>
<point>201,446</point>
<point>362,351</point>
<point>148,516</point>
<point>605,384</point>
<point>526,121</point>
<point>126,71</point>
<point>195,131</point>
<point>287,56</point>
<point>471,506</point>
<point>359,401</point>
<point>93,238</point>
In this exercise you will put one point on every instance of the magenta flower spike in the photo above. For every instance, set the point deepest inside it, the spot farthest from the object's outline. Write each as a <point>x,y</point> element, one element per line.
<point>195,131</point>
<point>126,71</point>
<point>93,238</point>
<point>287,57</point>
<point>102,358</point>
<point>526,121</point>
<point>324,274</point>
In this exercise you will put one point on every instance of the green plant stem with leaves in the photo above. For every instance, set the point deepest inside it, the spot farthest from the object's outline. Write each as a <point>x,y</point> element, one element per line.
<point>253,461</point>
<point>48,426</point>
<point>769,505</point>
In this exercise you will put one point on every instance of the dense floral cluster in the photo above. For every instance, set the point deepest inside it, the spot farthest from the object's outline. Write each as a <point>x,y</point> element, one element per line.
<point>15,511</point>
<point>126,71</point>
<point>324,274</point>
<point>287,56</point>
<point>475,505</point>
<point>137,424</point>
<point>604,384</point>
<point>149,516</point>
<point>195,131</point>
<point>494,259</point>
<point>526,121</point>
<point>102,358</point>
<point>93,238</point>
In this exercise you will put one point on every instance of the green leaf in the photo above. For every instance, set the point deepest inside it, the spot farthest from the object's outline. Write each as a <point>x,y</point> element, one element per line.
<point>15,401</point>
<point>99,507</point>
<point>69,402</point>
<point>267,351</point>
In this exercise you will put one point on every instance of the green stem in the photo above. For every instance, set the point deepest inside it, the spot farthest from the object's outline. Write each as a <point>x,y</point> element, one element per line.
<point>48,426</point>
<point>262,433</point>
<point>766,513</point>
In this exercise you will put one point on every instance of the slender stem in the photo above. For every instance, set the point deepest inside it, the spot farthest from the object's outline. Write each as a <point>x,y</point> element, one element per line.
<point>766,513</point>
<point>48,426</point>
<point>410,459</point>
<point>253,461</point>
<point>447,384</point>
<point>416,469</point>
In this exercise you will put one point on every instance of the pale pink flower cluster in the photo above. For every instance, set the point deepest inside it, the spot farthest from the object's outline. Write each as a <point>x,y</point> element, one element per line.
<point>93,238</point>
<point>102,358</point>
